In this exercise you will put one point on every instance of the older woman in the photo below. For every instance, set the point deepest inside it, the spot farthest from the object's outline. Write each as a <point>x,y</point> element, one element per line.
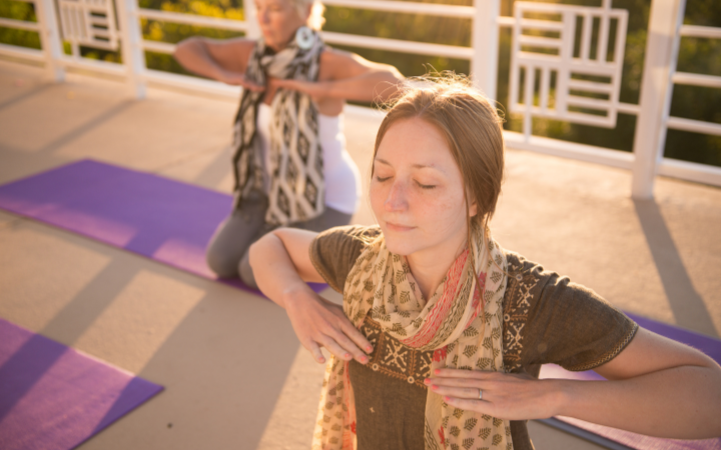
<point>290,163</point>
<point>442,332</point>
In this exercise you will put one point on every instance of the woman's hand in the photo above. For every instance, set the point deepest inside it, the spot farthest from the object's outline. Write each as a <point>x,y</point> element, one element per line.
<point>312,88</point>
<point>320,323</point>
<point>238,79</point>
<point>506,396</point>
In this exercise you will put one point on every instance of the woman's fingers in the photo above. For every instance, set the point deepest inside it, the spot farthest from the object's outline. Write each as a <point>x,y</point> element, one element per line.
<point>314,350</point>
<point>351,348</point>
<point>357,337</point>
<point>471,393</point>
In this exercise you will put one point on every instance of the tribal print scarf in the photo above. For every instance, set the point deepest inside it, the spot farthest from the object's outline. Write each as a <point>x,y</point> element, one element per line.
<point>296,187</point>
<point>463,333</point>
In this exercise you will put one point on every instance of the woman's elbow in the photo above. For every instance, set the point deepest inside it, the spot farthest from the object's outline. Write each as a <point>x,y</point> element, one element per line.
<point>185,47</point>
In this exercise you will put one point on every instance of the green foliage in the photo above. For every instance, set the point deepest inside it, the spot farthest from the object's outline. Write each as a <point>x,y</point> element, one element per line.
<point>19,11</point>
<point>696,56</point>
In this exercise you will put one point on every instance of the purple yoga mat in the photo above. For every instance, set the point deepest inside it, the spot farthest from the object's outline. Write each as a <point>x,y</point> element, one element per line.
<point>55,398</point>
<point>166,220</point>
<point>626,439</point>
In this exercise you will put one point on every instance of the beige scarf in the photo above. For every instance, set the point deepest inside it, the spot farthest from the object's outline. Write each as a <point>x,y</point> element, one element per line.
<point>463,333</point>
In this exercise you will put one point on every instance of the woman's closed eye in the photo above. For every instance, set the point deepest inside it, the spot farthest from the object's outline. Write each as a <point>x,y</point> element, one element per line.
<point>425,186</point>
<point>382,179</point>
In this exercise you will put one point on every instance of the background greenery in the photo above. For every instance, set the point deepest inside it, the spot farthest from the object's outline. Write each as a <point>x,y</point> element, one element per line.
<point>696,55</point>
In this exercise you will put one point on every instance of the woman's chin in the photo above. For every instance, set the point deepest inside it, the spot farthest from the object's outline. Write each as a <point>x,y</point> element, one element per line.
<point>399,247</point>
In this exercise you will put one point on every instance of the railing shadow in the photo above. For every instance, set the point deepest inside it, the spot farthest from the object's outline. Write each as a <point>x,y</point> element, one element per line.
<point>26,95</point>
<point>86,127</point>
<point>686,303</point>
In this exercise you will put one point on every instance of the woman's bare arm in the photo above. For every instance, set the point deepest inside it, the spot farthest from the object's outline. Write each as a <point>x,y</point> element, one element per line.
<point>655,386</point>
<point>347,76</point>
<point>222,60</point>
<point>281,266</point>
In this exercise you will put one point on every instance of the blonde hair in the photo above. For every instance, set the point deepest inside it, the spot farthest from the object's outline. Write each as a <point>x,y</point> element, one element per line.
<point>315,19</point>
<point>472,128</point>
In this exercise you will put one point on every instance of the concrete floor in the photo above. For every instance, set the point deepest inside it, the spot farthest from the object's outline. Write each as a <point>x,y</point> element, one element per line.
<point>225,386</point>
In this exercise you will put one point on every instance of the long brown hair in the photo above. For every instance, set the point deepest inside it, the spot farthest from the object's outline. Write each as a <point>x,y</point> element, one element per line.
<point>472,128</point>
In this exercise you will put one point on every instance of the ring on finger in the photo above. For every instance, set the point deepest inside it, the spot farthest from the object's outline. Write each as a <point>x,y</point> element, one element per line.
<point>480,394</point>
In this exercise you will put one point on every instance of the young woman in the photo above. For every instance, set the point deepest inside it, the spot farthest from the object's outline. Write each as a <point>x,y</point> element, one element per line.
<point>290,163</point>
<point>442,332</point>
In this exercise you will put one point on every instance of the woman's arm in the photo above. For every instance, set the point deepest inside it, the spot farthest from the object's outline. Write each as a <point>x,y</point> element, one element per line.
<point>655,386</point>
<point>219,60</point>
<point>281,266</point>
<point>348,76</point>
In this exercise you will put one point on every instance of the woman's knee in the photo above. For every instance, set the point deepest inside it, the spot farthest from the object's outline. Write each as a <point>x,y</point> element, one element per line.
<point>246,272</point>
<point>222,263</point>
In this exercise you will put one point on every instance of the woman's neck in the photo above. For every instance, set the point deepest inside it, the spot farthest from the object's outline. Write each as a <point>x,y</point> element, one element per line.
<point>430,266</point>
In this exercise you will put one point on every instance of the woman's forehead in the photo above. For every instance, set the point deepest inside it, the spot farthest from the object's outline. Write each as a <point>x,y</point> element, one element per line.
<point>415,143</point>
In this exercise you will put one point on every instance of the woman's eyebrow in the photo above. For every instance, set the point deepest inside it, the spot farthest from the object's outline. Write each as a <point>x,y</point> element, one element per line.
<point>415,166</point>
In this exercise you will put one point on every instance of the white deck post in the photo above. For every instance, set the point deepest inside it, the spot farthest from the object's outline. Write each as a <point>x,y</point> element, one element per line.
<point>50,38</point>
<point>132,51</point>
<point>484,40</point>
<point>665,19</point>
<point>249,14</point>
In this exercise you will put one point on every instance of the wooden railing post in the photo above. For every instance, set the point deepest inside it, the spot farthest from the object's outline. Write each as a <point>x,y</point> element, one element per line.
<point>131,48</point>
<point>50,39</point>
<point>484,40</point>
<point>661,51</point>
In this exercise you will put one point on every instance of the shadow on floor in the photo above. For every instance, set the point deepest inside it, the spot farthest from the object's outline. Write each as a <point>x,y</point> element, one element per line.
<point>687,305</point>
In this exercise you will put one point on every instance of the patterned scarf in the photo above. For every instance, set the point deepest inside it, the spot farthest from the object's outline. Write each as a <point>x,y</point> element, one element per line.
<point>463,334</point>
<point>296,187</point>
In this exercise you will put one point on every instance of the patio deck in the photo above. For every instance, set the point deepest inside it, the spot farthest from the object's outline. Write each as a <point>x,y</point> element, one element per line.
<point>229,384</point>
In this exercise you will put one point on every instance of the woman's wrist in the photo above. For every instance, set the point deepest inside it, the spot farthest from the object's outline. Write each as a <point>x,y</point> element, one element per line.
<point>296,294</point>
<point>561,396</point>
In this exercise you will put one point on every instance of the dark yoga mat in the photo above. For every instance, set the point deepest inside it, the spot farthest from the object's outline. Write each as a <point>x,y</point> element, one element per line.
<point>163,219</point>
<point>55,398</point>
<point>618,439</point>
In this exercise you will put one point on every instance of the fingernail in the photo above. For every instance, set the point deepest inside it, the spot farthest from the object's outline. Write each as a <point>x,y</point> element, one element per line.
<point>369,349</point>
<point>434,387</point>
<point>447,399</point>
<point>364,359</point>
<point>427,380</point>
<point>347,356</point>
<point>437,371</point>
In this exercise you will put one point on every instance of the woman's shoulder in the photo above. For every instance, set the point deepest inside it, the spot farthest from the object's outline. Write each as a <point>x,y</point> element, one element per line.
<point>547,318</point>
<point>350,232</point>
<point>334,251</point>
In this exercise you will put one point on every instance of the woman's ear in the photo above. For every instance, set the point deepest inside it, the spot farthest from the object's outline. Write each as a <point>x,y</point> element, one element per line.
<point>473,209</point>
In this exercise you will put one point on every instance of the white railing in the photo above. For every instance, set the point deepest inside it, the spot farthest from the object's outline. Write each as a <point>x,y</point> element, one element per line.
<point>665,31</point>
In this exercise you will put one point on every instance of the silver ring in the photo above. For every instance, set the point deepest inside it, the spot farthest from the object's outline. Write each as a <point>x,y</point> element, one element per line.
<point>480,394</point>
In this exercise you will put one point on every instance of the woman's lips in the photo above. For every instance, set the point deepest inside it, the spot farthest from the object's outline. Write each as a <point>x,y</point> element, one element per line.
<point>396,227</point>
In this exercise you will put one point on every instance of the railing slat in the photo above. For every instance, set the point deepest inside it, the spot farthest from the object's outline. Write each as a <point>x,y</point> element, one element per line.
<point>398,45</point>
<point>700,31</point>
<point>158,47</point>
<point>696,126</point>
<point>21,24</point>
<point>465,12</point>
<point>697,79</point>
<point>193,19</point>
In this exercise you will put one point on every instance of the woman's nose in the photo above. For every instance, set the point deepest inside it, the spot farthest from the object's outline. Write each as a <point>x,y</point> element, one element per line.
<point>397,198</point>
<point>262,15</point>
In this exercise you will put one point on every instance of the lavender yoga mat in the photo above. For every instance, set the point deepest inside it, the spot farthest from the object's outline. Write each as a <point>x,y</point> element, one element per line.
<point>163,219</point>
<point>619,439</point>
<point>55,398</point>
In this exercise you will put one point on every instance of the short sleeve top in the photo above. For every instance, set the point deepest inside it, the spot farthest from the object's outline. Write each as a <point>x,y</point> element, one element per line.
<point>547,319</point>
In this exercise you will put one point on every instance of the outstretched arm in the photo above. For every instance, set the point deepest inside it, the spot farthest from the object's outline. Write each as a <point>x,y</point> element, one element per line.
<point>348,76</point>
<point>281,265</point>
<point>655,386</point>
